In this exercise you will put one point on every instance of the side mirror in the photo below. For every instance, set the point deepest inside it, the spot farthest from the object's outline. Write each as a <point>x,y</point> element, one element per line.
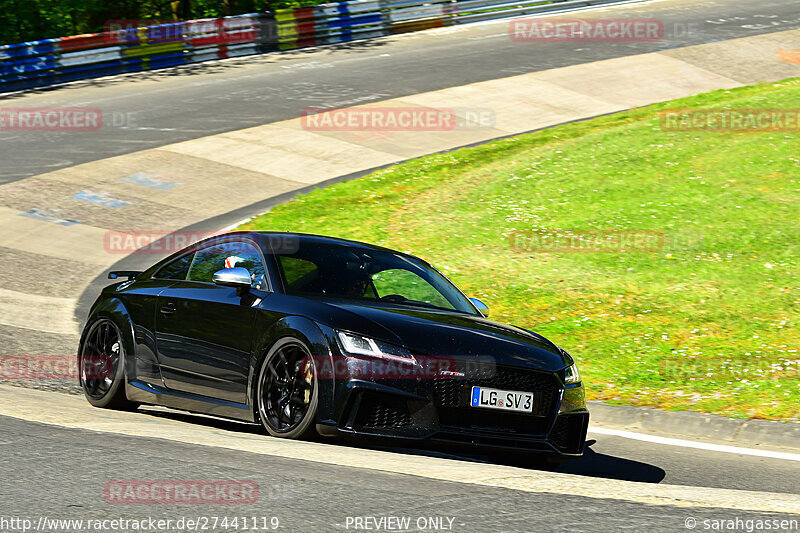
<point>482,307</point>
<point>236,277</point>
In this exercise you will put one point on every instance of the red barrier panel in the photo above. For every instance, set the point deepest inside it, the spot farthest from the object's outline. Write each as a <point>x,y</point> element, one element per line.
<point>86,41</point>
<point>306,33</point>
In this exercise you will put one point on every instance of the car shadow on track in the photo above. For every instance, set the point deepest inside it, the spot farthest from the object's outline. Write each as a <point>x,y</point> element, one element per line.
<point>591,464</point>
<point>596,464</point>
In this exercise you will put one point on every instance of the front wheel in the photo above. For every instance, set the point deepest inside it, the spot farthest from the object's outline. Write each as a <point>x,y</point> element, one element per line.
<point>287,392</point>
<point>101,366</point>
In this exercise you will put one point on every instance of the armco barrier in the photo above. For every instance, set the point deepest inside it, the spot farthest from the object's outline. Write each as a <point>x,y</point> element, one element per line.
<point>53,61</point>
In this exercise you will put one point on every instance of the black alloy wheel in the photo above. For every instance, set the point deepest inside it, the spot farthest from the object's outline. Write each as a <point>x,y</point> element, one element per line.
<point>287,391</point>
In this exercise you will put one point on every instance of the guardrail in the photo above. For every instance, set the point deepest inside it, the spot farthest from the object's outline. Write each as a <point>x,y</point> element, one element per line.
<point>53,61</point>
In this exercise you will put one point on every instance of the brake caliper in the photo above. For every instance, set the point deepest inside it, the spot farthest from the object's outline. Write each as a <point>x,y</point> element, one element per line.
<point>308,373</point>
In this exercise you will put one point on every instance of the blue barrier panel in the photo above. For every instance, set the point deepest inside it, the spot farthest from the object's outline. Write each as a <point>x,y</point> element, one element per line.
<point>94,70</point>
<point>18,84</point>
<point>346,24</point>
<point>27,76</point>
<point>32,48</point>
<point>345,35</point>
<point>164,33</point>
<point>172,60</point>
<point>40,63</point>
<point>121,66</point>
<point>25,66</point>
<point>354,20</point>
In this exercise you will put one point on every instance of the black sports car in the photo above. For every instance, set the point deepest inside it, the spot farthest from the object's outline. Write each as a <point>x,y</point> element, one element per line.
<point>304,334</point>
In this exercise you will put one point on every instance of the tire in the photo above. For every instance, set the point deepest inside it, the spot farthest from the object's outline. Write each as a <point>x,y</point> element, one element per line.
<point>101,367</point>
<point>287,392</point>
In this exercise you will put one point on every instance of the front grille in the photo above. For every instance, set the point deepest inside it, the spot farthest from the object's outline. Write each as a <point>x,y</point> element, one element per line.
<point>451,397</point>
<point>378,411</point>
<point>455,391</point>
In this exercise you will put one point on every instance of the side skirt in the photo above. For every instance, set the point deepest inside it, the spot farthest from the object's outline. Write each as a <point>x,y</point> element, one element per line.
<point>139,391</point>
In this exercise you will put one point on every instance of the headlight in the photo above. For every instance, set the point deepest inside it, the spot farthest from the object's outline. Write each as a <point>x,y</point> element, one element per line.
<point>354,344</point>
<point>571,374</point>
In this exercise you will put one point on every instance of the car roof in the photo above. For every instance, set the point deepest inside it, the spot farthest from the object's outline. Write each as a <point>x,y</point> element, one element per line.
<point>312,238</point>
<point>274,239</point>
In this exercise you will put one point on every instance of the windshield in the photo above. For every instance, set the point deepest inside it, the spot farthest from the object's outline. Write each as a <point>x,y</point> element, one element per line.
<point>343,271</point>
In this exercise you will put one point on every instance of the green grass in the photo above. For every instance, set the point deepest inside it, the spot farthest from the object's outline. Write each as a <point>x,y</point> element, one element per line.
<point>708,323</point>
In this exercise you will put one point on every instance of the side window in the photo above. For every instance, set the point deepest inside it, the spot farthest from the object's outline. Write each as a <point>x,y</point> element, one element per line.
<point>297,272</point>
<point>227,255</point>
<point>408,285</point>
<point>177,269</point>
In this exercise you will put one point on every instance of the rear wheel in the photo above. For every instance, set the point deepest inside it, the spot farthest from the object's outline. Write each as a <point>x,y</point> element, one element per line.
<point>101,366</point>
<point>287,392</point>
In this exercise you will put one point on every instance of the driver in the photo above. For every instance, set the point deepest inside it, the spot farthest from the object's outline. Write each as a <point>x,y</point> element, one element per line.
<point>351,285</point>
<point>357,287</point>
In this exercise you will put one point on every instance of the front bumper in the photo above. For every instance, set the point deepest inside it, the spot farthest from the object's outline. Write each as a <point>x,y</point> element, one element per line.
<point>438,410</point>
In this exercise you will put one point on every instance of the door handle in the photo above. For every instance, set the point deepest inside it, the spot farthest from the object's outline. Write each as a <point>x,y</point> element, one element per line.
<point>168,309</point>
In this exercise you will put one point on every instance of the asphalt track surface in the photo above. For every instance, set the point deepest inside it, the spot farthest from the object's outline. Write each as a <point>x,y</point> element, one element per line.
<point>60,473</point>
<point>161,107</point>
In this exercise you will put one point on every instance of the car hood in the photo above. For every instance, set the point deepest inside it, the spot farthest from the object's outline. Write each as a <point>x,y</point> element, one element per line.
<point>450,334</point>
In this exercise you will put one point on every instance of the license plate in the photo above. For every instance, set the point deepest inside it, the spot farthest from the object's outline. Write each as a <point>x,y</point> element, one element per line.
<point>505,400</point>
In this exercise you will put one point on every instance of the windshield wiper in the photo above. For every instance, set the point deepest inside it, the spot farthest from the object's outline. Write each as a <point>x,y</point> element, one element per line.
<point>417,303</point>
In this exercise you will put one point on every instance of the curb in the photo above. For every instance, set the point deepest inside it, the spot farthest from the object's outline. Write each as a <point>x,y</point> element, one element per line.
<point>697,425</point>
